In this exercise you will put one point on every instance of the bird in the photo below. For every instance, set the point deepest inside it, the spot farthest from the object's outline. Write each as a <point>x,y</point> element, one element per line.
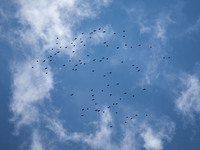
<point>122,61</point>
<point>125,93</point>
<point>123,30</point>
<point>117,83</point>
<point>139,44</point>
<point>110,126</point>
<point>82,115</point>
<point>92,90</point>
<point>71,94</point>
<point>93,70</point>
<point>144,89</point>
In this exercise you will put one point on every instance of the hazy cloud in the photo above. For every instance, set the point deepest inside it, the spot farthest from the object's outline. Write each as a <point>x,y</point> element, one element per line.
<point>188,102</point>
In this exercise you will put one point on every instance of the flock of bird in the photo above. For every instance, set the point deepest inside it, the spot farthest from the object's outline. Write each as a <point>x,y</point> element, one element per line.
<point>82,40</point>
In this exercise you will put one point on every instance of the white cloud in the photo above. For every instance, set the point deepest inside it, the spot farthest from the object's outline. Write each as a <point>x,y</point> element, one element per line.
<point>101,139</point>
<point>56,126</point>
<point>30,87</point>
<point>155,136</point>
<point>45,20</point>
<point>151,141</point>
<point>188,102</point>
<point>36,142</point>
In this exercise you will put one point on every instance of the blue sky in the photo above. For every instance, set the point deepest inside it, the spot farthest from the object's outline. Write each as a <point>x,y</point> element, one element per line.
<point>37,110</point>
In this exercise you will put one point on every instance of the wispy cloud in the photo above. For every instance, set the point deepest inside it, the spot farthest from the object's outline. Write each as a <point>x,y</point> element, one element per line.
<point>154,138</point>
<point>101,139</point>
<point>188,101</point>
<point>155,28</point>
<point>36,142</point>
<point>195,27</point>
<point>30,87</point>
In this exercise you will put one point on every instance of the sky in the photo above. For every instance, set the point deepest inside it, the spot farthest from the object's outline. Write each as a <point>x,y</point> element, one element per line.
<point>100,75</point>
